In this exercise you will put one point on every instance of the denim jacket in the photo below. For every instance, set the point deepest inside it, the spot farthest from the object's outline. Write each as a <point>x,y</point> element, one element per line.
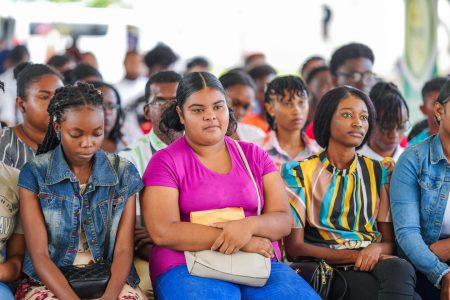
<point>419,191</point>
<point>63,208</point>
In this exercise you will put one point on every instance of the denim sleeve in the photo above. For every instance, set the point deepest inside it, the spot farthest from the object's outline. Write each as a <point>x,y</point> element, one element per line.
<point>28,178</point>
<point>132,179</point>
<point>405,205</point>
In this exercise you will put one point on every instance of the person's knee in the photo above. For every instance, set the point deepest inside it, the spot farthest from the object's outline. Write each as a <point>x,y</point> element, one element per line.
<point>396,270</point>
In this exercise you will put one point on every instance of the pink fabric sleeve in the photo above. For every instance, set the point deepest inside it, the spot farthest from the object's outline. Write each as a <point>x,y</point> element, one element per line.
<point>161,171</point>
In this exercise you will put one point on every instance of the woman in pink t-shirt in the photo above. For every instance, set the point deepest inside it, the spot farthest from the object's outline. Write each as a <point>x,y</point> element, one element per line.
<point>202,171</point>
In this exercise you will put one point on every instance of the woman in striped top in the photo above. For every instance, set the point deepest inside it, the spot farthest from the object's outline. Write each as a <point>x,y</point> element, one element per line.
<point>340,203</point>
<point>36,85</point>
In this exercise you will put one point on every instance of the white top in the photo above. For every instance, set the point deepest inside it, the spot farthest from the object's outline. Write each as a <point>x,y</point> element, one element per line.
<point>130,90</point>
<point>8,98</point>
<point>251,134</point>
<point>445,229</point>
<point>367,151</point>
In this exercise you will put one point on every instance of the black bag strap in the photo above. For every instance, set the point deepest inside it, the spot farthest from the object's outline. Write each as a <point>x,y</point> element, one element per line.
<point>110,207</point>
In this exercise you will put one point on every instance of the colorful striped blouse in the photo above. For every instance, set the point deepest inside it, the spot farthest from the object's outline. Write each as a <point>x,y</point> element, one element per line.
<point>338,208</point>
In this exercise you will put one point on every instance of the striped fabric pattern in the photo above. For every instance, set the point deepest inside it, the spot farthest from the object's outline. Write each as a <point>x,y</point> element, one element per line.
<point>14,152</point>
<point>338,206</point>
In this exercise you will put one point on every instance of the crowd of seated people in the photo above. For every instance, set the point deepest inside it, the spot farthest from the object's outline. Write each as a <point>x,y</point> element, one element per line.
<point>313,168</point>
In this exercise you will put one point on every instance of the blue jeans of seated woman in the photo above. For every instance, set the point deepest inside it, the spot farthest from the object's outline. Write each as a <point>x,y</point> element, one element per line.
<point>5,292</point>
<point>283,283</point>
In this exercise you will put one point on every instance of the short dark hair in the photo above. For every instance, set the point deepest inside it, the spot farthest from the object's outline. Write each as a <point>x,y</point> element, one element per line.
<point>162,55</point>
<point>433,85</point>
<point>17,54</point>
<point>388,101</point>
<point>59,61</point>
<point>190,84</point>
<point>327,107</point>
<point>27,73</point>
<point>83,70</point>
<point>161,77</point>
<point>444,94</point>
<point>197,61</point>
<point>261,71</point>
<point>294,85</point>
<point>309,60</point>
<point>313,73</point>
<point>233,78</point>
<point>349,51</point>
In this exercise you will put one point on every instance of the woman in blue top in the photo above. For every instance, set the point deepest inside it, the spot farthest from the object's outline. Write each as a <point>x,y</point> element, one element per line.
<point>64,201</point>
<point>420,188</point>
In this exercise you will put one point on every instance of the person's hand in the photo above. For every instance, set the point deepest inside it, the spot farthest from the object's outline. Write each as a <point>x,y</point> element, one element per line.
<point>235,234</point>
<point>445,287</point>
<point>259,245</point>
<point>368,258</point>
<point>441,249</point>
<point>141,238</point>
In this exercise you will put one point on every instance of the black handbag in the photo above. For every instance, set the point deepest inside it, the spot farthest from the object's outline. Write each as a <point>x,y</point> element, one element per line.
<point>90,281</point>
<point>319,275</point>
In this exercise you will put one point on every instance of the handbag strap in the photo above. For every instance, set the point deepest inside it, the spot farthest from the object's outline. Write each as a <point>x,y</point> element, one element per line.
<point>110,206</point>
<point>244,159</point>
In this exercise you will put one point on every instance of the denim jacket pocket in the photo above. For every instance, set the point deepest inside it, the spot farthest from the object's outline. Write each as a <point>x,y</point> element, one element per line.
<point>430,187</point>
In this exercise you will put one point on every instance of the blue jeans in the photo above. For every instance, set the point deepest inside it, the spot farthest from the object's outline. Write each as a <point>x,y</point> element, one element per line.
<point>283,283</point>
<point>5,292</point>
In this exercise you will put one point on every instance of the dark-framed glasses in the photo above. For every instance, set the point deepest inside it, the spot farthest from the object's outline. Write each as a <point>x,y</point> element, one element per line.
<point>162,102</point>
<point>111,106</point>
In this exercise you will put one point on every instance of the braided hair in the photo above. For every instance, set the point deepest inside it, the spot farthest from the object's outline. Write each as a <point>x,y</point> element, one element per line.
<point>275,90</point>
<point>66,97</point>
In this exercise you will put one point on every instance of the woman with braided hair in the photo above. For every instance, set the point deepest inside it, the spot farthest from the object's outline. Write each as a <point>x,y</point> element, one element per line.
<point>64,194</point>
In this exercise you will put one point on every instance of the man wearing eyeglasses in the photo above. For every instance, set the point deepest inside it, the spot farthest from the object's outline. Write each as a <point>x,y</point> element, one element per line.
<point>352,65</point>
<point>160,93</point>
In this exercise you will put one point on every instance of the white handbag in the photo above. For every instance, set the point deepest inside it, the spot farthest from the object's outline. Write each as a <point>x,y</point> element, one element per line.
<point>246,268</point>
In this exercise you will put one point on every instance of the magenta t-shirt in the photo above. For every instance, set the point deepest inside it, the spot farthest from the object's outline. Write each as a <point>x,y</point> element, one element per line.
<point>177,166</point>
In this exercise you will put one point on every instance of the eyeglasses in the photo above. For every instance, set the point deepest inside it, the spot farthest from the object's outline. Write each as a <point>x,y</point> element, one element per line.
<point>111,106</point>
<point>358,76</point>
<point>162,103</point>
<point>402,128</point>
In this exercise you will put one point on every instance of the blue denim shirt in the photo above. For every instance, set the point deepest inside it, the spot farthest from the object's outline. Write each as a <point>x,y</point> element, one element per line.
<point>58,191</point>
<point>419,191</point>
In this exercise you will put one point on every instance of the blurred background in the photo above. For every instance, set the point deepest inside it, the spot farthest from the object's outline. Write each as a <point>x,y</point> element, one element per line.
<point>410,39</point>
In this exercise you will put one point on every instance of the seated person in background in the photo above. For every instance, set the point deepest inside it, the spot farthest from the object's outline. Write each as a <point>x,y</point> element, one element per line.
<point>340,203</point>
<point>203,170</point>
<point>240,91</point>
<point>261,75</point>
<point>114,140</point>
<point>160,92</point>
<point>319,82</point>
<point>64,196</point>
<point>391,124</point>
<point>311,63</point>
<point>36,84</point>
<point>286,103</point>
<point>429,126</point>
<point>82,72</point>
<point>421,207</point>
<point>11,232</point>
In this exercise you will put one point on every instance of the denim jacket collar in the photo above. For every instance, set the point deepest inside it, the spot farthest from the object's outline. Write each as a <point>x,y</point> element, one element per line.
<point>59,169</point>
<point>436,151</point>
